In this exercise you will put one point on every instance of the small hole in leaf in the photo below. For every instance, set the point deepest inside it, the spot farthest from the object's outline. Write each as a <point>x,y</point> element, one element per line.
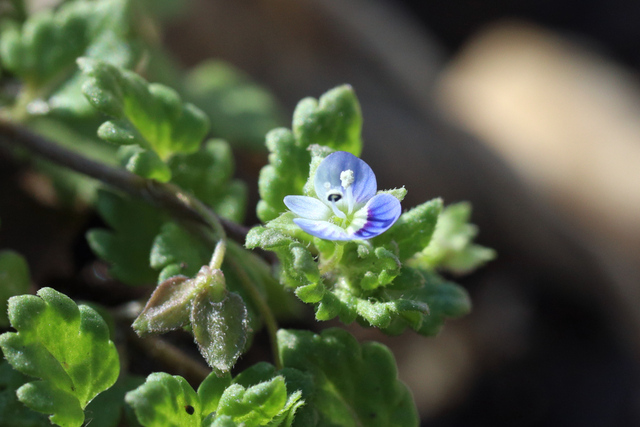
<point>189,409</point>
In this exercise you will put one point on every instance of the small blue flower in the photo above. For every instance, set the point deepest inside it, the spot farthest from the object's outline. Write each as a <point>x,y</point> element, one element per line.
<point>346,206</point>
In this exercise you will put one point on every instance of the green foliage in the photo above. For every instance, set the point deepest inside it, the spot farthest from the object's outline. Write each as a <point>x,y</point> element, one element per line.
<point>43,50</point>
<point>164,400</point>
<point>67,347</point>
<point>333,121</point>
<point>240,110</point>
<point>108,408</point>
<point>14,280</point>
<point>208,175</point>
<point>353,384</point>
<point>365,281</point>
<point>135,226</point>
<point>149,115</point>
<point>452,247</point>
<point>12,412</point>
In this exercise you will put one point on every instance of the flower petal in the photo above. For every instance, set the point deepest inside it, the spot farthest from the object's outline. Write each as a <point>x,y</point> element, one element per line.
<point>322,229</point>
<point>381,212</point>
<point>308,207</point>
<point>328,173</point>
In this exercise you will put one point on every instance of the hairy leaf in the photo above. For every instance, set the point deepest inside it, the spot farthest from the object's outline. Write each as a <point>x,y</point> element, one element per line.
<point>146,114</point>
<point>64,345</point>
<point>452,247</point>
<point>355,385</point>
<point>12,412</point>
<point>44,49</point>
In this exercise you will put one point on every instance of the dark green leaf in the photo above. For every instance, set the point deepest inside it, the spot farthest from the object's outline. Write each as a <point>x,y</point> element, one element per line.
<point>12,412</point>
<point>135,226</point>
<point>67,346</point>
<point>355,385</point>
<point>14,280</point>
<point>210,391</point>
<point>220,328</point>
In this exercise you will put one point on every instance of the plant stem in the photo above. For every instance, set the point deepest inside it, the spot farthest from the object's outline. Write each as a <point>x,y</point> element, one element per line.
<point>180,204</point>
<point>335,258</point>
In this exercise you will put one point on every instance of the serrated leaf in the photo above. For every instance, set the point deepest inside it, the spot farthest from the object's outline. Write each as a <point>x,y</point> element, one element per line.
<point>174,246</point>
<point>413,230</point>
<point>452,247</point>
<point>220,329</point>
<point>446,300</point>
<point>150,115</point>
<point>334,121</point>
<point>43,51</point>
<point>256,405</point>
<point>240,110</point>
<point>210,391</point>
<point>144,163</point>
<point>208,174</point>
<point>14,280</point>
<point>165,401</point>
<point>354,384</point>
<point>12,412</point>
<point>134,227</point>
<point>65,345</point>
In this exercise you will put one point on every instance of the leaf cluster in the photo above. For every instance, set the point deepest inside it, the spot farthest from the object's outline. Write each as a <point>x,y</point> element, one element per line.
<point>378,282</point>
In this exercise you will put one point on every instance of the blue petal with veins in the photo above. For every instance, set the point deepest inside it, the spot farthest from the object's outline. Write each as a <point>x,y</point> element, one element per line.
<point>346,206</point>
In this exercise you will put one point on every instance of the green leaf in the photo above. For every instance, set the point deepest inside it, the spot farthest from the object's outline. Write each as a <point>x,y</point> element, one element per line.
<point>256,405</point>
<point>446,300</point>
<point>65,345</point>
<point>413,230</point>
<point>220,329</point>
<point>14,280</point>
<point>334,121</point>
<point>175,246</point>
<point>452,247</point>
<point>208,174</point>
<point>43,50</point>
<point>12,412</point>
<point>135,226</point>
<point>150,115</point>
<point>355,385</point>
<point>210,391</point>
<point>165,401</point>
<point>108,408</point>
<point>240,110</point>
<point>144,163</point>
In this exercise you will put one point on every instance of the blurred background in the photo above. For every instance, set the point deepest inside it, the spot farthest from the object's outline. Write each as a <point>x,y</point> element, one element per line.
<point>528,109</point>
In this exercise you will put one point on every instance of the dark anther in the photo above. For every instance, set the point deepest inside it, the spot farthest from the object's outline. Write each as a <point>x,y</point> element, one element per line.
<point>189,409</point>
<point>334,197</point>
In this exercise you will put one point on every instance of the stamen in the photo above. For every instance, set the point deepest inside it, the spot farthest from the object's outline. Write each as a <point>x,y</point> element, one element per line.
<point>347,178</point>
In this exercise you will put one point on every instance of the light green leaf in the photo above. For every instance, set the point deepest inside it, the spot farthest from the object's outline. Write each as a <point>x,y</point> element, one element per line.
<point>67,346</point>
<point>452,247</point>
<point>14,280</point>
<point>43,50</point>
<point>355,385</point>
<point>165,401</point>
<point>256,405</point>
<point>413,230</point>
<point>135,226</point>
<point>210,391</point>
<point>240,110</point>
<point>150,115</point>
<point>334,121</point>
